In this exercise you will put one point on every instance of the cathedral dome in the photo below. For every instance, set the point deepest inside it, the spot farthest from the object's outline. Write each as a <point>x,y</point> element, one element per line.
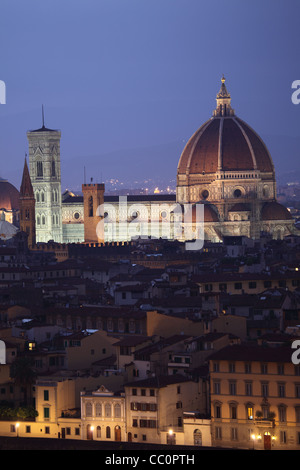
<point>224,143</point>
<point>9,196</point>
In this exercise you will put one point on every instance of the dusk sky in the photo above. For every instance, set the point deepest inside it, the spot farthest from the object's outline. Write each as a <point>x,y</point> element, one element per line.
<point>129,81</point>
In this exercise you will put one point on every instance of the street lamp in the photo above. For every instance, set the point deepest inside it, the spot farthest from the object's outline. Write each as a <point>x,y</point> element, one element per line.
<point>17,426</point>
<point>92,432</point>
<point>171,437</point>
<point>253,439</point>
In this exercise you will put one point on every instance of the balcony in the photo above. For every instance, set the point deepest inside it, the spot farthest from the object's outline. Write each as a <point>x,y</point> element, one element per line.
<point>264,422</point>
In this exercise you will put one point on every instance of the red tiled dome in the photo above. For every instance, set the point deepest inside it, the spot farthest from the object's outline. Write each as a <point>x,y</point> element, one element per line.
<point>9,196</point>
<point>210,213</point>
<point>226,143</point>
<point>275,211</point>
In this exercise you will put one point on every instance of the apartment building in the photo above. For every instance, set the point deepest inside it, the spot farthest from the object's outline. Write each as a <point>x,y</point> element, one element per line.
<point>255,397</point>
<point>155,408</point>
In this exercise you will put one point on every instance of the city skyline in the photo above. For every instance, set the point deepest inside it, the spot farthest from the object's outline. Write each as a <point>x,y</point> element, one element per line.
<point>140,78</point>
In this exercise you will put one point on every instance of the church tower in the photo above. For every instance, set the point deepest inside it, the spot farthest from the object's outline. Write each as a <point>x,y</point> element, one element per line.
<point>27,207</point>
<point>93,198</point>
<point>44,165</point>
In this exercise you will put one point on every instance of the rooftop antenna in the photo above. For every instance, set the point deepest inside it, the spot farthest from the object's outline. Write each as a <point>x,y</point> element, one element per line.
<point>84,179</point>
<point>43,115</point>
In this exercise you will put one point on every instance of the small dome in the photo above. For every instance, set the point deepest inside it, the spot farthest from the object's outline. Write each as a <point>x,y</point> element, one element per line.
<point>7,230</point>
<point>210,213</point>
<point>9,196</point>
<point>275,211</point>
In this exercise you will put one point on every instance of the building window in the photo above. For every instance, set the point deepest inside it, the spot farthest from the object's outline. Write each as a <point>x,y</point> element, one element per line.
<point>247,368</point>
<point>233,411</point>
<point>282,437</point>
<point>282,414</point>
<point>197,437</point>
<point>232,388</point>
<point>264,368</point>
<point>265,389</point>
<point>46,395</point>
<point>281,390</point>
<point>107,432</point>
<point>248,389</point>
<point>46,413</point>
<point>218,411</point>
<point>234,434</point>
<point>39,169</point>
<point>218,430</point>
<point>90,207</point>
<point>98,409</point>
<point>89,409</point>
<point>117,410</point>
<point>249,410</point>
<point>217,388</point>
<point>107,410</point>
<point>252,285</point>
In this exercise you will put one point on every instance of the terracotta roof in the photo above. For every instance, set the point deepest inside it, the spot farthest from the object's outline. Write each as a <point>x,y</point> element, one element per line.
<point>245,352</point>
<point>275,211</point>
<point>158,381</point>
<point>9,196</point>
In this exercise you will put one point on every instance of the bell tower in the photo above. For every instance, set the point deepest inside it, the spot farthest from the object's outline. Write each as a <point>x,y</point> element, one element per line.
<point>44,165</point>
<point>93,197</point>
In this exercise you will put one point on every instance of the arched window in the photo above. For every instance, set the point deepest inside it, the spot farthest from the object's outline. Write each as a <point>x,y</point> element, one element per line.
<point>37,196</point>
<point>107,410</point>
<point>98,431</point>
<point>43,220</point>
<point>197,437</point>
<point>98,409</point>
<point>107,432</point>
<point>38,220</point>
<point>89,409</point>
<point>117,410</point>
<point>39,169</point>
<point>42,196</point>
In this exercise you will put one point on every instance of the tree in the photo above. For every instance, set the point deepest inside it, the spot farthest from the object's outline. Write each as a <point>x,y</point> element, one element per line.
<point>23,373</point>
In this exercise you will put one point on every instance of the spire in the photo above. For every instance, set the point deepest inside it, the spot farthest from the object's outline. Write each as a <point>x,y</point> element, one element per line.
<point>223,101</point>
<point>26,189</point>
